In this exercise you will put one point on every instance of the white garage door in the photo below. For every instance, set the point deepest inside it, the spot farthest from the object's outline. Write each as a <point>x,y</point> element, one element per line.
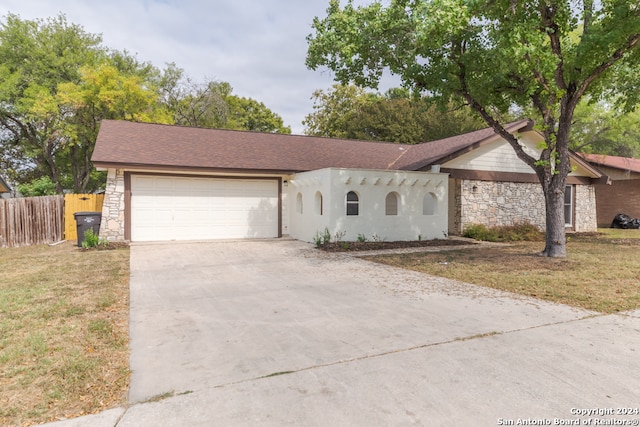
<point>180,208</point>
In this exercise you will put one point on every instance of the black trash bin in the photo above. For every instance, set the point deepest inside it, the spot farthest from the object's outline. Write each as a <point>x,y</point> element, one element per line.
<point>87,221</point>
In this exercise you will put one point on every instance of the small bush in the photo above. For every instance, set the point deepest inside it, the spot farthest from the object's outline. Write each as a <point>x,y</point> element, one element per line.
<point>507,233</point>
<point>481,232</point>
<point>362,238</point>
<point>91,239</point>
<point>322,239</point>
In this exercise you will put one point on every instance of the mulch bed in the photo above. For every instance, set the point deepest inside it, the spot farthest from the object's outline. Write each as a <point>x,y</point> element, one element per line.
<point>375,246</point>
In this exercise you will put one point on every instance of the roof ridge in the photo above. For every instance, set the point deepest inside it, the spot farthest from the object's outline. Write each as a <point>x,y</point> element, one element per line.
<point>404,148</point>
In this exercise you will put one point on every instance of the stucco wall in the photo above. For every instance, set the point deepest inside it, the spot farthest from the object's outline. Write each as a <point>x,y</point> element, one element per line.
<point>505,203</point>
<point>372,188</point>
<point>112,225</point>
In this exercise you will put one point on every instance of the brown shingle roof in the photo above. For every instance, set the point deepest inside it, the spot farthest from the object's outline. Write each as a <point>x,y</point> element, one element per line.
<point>122,143</point>
<point>622,163</point>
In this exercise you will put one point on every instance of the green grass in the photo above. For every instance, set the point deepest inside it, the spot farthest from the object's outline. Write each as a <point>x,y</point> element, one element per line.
<point>600,272</point>
<point>63,332</point>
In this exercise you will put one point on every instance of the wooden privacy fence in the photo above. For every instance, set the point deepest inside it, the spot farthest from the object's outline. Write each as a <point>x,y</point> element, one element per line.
<point>74,203</point>
<point>48,219</point>
<point>31,220</point>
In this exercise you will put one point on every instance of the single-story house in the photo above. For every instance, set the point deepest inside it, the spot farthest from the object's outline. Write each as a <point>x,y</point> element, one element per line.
<point>178,183</point>
<point>623,195</point>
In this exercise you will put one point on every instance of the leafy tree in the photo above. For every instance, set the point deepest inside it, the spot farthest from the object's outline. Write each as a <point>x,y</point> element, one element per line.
<point>600,128</point>
<point>212,105</point>
<point>540,55</point>
<point>193,104</point>
<point>334,111</point>
<point>103,92</point>
<point>397,116</point>
<point>42,186</point>
<point>35,56</point>
<point>249,114</point>
<point>57,83</point>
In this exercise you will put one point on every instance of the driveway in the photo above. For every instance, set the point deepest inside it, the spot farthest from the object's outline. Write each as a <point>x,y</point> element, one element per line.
<point>276,333</point>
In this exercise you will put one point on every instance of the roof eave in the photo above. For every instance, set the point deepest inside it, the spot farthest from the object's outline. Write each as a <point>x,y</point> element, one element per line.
<point>520,126</point>
<point>189,169</point>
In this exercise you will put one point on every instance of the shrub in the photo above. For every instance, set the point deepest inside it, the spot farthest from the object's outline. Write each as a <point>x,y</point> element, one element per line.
<point>38,187</point>
<point>321,240</point>
<point>523,231</point>
<point>91,239</point>
<point>481,232</point>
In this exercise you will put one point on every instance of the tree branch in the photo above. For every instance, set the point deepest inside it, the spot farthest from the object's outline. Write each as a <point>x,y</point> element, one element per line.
<point>491,121</point>
<point>550,27</point>
<point>632,42</point>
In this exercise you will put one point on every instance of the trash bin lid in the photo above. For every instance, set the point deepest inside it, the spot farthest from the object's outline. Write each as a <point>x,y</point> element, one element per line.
<point>87,213</point>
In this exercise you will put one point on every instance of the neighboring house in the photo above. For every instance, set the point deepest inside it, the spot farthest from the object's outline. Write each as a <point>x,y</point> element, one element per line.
<point>623,195</point>
<point>178,183</point>
<point>4,188</point>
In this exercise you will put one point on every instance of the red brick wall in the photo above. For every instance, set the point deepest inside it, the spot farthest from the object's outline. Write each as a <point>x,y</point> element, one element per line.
<point>619,197</point>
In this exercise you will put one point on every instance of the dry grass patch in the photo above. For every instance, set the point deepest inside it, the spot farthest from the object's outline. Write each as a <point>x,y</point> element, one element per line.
<point>600,272</point>
<point>63,332</point>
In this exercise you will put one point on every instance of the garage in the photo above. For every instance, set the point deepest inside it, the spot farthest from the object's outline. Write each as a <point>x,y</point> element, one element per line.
<point>199,208</point>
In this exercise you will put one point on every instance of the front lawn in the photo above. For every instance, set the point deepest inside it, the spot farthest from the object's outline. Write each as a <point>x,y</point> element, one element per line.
<point>64,340</point>
<point>600,273</point>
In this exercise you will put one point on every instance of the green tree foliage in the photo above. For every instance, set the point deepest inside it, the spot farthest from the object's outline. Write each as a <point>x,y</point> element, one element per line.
<point>193,104</point>
<point>103,92</point>
<point>542,56</point>
<point>57,83</point>
<point>42,186</point>
<point>600,128</point>
<point>249,114</point>
<point>352,113</point>
<point>35,56</point>
<point>212,105</point>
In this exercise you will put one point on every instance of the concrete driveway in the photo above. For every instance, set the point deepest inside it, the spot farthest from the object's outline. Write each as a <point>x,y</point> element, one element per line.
<point>276,333</point>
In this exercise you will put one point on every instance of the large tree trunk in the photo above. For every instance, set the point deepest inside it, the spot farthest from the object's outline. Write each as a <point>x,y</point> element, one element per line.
<point>555,240</point>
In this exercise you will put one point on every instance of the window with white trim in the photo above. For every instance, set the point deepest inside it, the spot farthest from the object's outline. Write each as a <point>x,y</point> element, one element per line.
<point>568,205</point>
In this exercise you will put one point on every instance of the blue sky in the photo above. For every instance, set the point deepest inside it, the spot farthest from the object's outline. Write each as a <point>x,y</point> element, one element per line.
<point>258,46</point>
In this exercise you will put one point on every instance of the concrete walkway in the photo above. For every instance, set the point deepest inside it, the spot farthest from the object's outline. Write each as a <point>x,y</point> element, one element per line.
<point>276,333</point>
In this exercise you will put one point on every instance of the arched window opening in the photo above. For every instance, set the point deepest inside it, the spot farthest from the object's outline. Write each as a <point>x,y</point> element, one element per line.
<point>299,203</point>
<point>318,203</point>
<point>353,202</point>
<point>429,204</point>
<point>391,204</point>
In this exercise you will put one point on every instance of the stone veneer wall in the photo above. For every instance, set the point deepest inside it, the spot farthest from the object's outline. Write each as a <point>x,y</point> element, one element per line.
<point>586,212</point>
<point>112,226</point>
<point>505,203</point>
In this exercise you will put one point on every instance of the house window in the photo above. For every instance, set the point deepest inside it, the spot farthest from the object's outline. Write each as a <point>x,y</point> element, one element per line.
<point>429,204</point>
<point>352,203</point>
<point>568,205</point>
<point>391,204</point>
<point>299,203</point>
<point>318,203</point>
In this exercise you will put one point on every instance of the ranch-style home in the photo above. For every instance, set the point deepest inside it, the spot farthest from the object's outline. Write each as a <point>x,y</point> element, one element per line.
<point>178,183</point>
<point>623,195</point>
